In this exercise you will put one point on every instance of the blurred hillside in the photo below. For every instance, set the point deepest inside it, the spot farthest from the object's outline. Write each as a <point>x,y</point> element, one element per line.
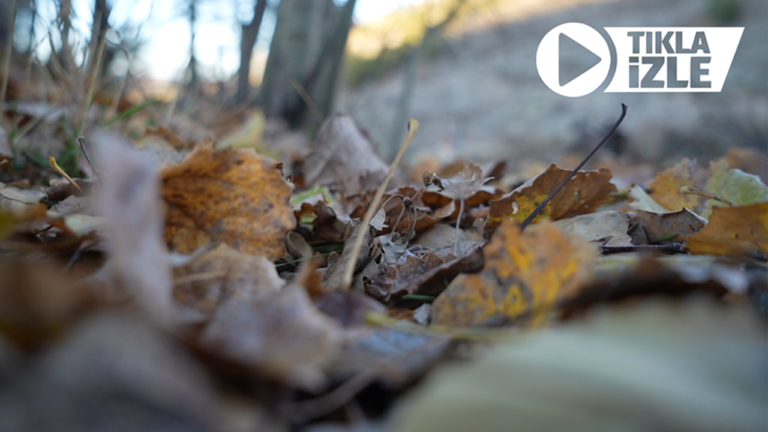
<point>477,93</point>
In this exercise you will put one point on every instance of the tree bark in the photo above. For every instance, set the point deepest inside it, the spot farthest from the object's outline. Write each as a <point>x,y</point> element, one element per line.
<point>249,35</point>
<point>192,65</point>
<point>296,45</point>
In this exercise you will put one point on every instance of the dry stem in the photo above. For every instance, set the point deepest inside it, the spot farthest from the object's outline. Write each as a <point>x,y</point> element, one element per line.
<point>413,127</point>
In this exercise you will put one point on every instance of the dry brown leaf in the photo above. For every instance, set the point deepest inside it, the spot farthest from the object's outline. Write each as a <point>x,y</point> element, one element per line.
<point>523,274</point>
<point>734,231</point>
<point>343,155</point>
<point>424,275</point>
<point>584,193</point>
<point>652,228</point>
<point>227,196</point>
<point>282,333</point>
<point>665,188</point>
<point>223,273</point>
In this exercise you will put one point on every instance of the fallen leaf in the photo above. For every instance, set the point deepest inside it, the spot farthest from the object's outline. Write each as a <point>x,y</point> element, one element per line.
<point>111,372</point>
<point>138,264</point>
<point>653,228</point>
<point>333,278</point>
<point>596,226</point>
<point>735,231</point>
<point>394,357</point>
<point>227,196</point>
<point>468,182</point>
<point>665,188</point>
<point>643,201</point>
<point>523,274</point>
<point>248,135</point>
<point>427,274</point>
<point>344,156</point>
<point>221,274</point>
<point>584,193</point>
<point>39,302</point>
<point>281,333</point>
<point>654,366</point>
<point>735,186</point>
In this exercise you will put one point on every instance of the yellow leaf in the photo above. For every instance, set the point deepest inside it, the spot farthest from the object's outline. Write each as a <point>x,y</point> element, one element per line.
<point>733,231</point>
<point>523,273</point>
<point>665,188</point>
<point>232,196</point>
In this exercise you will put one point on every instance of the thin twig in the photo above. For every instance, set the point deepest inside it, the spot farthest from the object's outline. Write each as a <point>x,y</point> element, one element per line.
<point>666,248</point>
<point>7,61</point>
<point>116,101</point>
<point>690,190</point>
<point>96,65</point>
<point>81,141</point>
<point>544,203</point>
<point>458,228</point>
<point>413,127</point>
<point>58,169</point>
<point>31,125</point>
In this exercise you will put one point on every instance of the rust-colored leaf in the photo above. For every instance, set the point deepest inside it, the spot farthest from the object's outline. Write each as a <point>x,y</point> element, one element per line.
<point>524,273</point>
<point>232,196</point>
<point>584,193</point>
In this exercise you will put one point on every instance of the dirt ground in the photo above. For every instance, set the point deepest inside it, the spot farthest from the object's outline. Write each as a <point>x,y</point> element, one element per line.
<point>480,97</point>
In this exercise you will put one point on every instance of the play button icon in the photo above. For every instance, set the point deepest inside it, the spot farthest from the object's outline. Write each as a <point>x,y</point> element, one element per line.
<point>573,59</point>
<point>587,57</point>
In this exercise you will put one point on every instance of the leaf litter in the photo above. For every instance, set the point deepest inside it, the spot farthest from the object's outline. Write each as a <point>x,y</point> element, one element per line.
<point>204,279</point>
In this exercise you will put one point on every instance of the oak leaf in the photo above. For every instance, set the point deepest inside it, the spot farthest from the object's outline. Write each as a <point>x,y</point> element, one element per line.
<point>232,196</point>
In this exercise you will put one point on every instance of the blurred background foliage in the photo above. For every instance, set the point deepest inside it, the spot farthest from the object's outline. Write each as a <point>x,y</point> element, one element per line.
<point>464,68</point>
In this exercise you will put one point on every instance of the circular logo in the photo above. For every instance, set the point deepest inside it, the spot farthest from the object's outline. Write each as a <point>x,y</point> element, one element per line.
<point>573,59</point>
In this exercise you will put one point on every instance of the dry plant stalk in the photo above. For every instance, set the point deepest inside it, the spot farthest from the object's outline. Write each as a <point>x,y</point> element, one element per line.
<point>413,127</point>
<point>7,60</point>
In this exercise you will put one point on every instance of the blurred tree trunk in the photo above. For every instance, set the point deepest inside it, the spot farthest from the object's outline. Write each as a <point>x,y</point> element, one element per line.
<point>403,109</point>
<point>304,60</point>
<point>5,11</point>
<point>99,26</point>
<point>250,33</point>
<point>64,55</point>
<point>323,79</point>
<point>192,73</point>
